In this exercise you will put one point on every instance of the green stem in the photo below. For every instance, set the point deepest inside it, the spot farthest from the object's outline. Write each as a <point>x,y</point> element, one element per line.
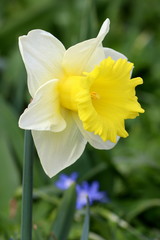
<point>26,224</point>
<point>85,232</point>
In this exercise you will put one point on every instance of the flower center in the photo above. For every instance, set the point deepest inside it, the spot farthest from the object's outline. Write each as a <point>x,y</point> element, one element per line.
<point>103,98</point>
<point>83,196</point>
<point>95,95</point>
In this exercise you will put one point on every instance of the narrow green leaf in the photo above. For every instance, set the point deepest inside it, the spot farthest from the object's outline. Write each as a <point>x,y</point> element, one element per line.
<point>113,218</point>
<point>65,215</point>
<point>85,232</point>
<point>9,129</point>
<point>141,206</point>
<point>9,179</point>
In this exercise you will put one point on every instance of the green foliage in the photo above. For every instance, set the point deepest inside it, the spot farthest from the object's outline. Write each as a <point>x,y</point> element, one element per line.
<point>130,172</point>
<point>85,232</point>
<point>65,215</point>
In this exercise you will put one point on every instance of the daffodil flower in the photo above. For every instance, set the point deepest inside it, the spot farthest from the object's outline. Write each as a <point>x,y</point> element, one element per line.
<point>79,95</point>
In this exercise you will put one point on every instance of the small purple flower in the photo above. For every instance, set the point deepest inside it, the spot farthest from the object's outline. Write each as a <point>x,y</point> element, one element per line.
<point>93,193</point>
<point>83,191</point>
<point>65,181</point>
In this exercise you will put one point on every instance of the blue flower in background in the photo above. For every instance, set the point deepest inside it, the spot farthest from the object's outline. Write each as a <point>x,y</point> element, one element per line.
<point>83,191</point>
<point>93,193</point>
<point>65,181</point>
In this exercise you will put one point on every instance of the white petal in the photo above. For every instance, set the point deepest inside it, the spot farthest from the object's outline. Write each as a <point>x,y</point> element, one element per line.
<point>109,52</point>
<point>43,113</point>
<point>93,139</point>
<point>59,150</point>
<point>104,29</point>
<point>42,54</point>
<point>85,55</point>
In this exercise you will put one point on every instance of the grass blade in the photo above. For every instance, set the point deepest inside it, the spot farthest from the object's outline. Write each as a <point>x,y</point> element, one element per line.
<point>85,232</point>
<point>65,215</point>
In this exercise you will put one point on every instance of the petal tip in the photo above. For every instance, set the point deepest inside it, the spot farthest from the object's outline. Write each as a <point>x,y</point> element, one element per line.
<point>49,174</point>
<point>20,122</point>
<point>104,28</point>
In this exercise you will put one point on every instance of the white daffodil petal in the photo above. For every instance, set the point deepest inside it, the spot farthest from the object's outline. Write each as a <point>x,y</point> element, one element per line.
<point>59,150</point>
<point>104,29</point>
<point>85,55</point>
<point>109,52</point>
<point>94,140</point>
<point>43,113</point>
<point>42,54</point>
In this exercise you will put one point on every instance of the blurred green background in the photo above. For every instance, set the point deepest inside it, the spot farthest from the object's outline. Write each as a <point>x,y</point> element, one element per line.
<point>130,173</point>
